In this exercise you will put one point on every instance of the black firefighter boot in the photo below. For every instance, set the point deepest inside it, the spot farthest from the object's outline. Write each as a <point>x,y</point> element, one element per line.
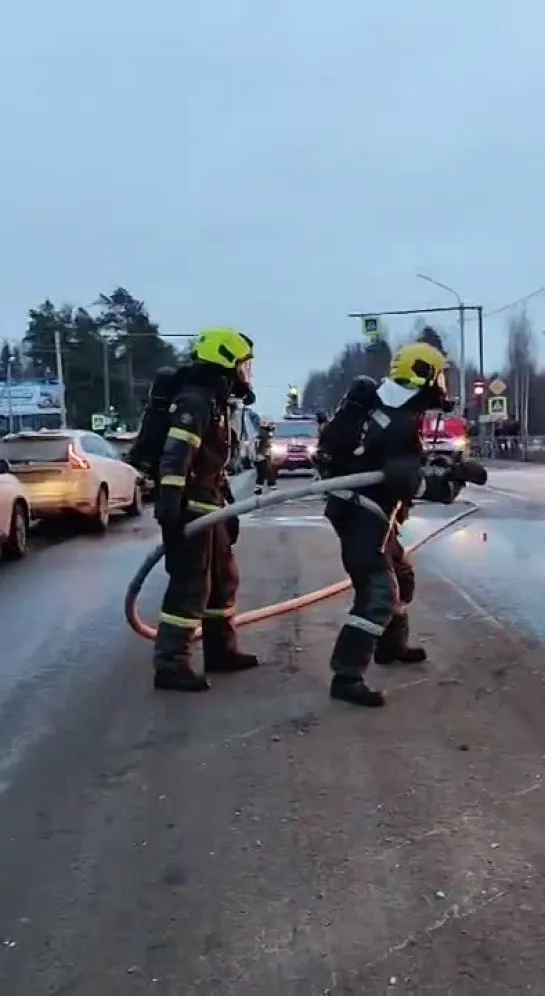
<point>393,646</point>
<point>220,650</point>
<point>351,655</point>
<point>171,661</point>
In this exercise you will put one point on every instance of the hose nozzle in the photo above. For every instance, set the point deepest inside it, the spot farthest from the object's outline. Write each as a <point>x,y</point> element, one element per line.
<point>470,472</point>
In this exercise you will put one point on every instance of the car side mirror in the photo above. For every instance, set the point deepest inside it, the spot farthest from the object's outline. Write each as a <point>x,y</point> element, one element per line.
<point>4,466</point>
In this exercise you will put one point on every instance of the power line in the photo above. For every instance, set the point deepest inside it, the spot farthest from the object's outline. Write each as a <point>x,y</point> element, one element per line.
<point>513,304</point>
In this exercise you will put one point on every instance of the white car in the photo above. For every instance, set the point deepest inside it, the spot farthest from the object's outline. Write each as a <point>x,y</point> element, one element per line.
<point>246,437</point>
<point>14,514</point>
<point>72,471</point>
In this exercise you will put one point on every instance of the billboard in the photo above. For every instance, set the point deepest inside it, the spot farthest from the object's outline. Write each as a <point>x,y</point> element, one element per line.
<point>30,397</point>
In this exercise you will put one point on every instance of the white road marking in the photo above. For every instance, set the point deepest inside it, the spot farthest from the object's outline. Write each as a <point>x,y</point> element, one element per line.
<point>475,606</point>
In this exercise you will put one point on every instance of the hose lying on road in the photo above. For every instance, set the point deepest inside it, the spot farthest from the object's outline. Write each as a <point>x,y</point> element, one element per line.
<point>348,482</point>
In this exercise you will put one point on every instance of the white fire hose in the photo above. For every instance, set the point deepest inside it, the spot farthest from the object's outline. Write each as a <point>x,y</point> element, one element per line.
<point>349,482</point>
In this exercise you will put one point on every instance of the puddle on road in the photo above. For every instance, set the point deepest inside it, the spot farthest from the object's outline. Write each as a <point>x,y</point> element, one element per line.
<point>498,561</point>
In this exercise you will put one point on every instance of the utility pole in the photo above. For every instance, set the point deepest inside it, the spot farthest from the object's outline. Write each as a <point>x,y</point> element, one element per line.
<point>8,388</point>
<point>60,376</point>
<point>461,319</point>
<point>460,310</point>
<point>481,340</point>
<point>462,360</point>
<point>106,372</point>
<point>130,385</point>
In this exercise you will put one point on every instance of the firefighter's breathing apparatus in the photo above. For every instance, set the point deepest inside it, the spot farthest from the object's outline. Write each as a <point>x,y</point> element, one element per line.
<point>472,472</point>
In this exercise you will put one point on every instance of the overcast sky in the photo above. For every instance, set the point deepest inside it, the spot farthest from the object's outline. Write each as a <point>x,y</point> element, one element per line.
<point>273,164</point>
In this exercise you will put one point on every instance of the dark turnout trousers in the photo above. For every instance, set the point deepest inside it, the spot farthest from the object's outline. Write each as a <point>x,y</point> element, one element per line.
<point>395,638</point>
<point>362,535</point>
<point>202,587</point>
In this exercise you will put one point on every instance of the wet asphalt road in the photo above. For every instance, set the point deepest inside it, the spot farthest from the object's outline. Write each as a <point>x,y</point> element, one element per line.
<point>259,839</point>
<point>496,557</point>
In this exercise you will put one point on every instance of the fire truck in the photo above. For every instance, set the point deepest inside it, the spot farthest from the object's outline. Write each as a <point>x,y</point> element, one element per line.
<point>445,434</point>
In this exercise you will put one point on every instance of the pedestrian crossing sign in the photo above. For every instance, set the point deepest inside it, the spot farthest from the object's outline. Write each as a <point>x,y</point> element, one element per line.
<point>497,407</point>
<point>370,325</point>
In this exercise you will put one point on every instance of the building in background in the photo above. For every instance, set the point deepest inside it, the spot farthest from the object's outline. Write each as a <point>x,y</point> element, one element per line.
<point>29,404</point>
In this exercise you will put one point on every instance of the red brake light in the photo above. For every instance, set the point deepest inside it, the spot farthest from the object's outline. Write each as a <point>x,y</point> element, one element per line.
<point>75,460</point>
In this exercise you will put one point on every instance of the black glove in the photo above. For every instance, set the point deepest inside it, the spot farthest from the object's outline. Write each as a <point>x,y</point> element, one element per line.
<point>248,397</point>
<point>469,472</point>
<point>174,542</point>
<point>169,505</point>
<point>402,477</point>
<point>233,529</point>
<point>323,464</point>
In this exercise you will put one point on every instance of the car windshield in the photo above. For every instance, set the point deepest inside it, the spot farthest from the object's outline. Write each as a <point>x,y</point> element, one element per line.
<point>34,450</point>
<point>293,430</point>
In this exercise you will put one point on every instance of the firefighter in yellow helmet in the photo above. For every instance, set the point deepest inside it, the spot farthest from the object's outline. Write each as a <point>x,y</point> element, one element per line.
<point>191,476</point>
<point>377,427</point>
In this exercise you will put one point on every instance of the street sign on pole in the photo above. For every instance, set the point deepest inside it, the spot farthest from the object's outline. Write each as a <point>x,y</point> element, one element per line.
<point>98,422</point>
<point>370,325</point>
<point>497,386</point>
<point>497,408</point>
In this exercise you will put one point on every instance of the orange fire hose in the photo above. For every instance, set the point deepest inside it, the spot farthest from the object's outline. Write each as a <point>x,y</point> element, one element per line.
<point>149,632</point>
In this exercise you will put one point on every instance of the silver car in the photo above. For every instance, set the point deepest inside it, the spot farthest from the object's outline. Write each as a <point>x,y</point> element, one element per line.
<point>72,471</point>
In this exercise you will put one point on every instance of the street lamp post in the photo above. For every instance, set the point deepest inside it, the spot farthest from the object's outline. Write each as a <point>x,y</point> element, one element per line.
<point>461,318</point>
<point>60,376</point>
<point>11,360</point>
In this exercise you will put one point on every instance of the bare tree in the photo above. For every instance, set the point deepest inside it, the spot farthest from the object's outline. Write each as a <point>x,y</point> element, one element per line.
<point>324,389</point>
<point>521,359</point>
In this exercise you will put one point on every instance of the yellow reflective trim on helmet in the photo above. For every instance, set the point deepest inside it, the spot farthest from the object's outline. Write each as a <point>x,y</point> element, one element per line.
<point>173,481</point>
<point>183,622</point>
<point>185,436</point>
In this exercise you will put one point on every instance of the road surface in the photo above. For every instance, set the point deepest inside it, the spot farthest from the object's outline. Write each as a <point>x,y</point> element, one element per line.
<point>261,840</point>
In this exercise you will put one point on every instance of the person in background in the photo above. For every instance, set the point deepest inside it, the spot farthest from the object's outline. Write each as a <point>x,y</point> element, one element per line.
<point>321,422</point>
<point>265,472</point>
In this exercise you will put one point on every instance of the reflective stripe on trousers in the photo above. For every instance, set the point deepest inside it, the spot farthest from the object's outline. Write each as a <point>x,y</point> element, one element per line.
<point>365,624</point>
<point>185,436</point>
<point>173,481</point>
<point>226,613</point>
<point>181,622</point>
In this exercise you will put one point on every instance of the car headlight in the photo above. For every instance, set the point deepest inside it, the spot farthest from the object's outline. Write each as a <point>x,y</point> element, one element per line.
<point>278,449</point>
<point>460,443</point>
